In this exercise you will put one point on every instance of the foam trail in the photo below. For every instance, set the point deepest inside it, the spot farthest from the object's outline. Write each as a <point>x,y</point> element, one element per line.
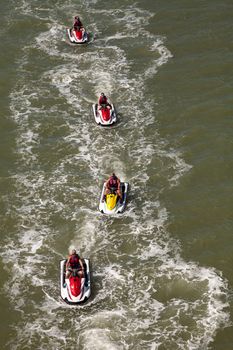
<point>142,286</point>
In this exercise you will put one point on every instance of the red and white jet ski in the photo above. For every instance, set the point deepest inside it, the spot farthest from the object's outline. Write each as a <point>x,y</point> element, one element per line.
<point>104,115</point>
<point>79,36</point>
<point>75,290</point>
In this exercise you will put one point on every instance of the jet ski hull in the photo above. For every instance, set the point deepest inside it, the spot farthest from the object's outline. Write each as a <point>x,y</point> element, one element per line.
<point>85,284</point>
<point>120,206</point>
<point>98,118</point>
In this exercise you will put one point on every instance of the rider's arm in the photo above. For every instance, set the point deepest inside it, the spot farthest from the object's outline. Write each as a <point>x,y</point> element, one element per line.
<point>81,264</point>
<point>68,263</point>
<point>107,184</point>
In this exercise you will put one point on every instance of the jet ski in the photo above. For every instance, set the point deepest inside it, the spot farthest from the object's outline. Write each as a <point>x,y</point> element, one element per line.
<point>75,290</point>
<point>111,203</point>
<point>79,36</point>
<point>104,115</point>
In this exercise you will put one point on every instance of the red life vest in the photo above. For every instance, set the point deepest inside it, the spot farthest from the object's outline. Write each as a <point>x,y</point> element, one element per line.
<point>103,100</point>
<point>77,22</point>
<point>74,261</point>
<point>113,182</point>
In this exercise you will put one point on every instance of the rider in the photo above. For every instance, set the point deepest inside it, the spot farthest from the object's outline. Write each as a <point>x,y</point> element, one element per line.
<point>74,263</point>
<point>113,182</point>
<point>103,101</point>
<point>77,23</point>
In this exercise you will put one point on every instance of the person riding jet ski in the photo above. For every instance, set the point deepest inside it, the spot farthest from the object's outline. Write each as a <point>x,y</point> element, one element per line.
<point>103,102</point>
<point>113,183</point>
<point>77,23</point>
<point>74,263</point>
<point>78,28</point>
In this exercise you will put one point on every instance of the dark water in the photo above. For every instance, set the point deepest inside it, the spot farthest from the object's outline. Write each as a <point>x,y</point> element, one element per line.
<point>162,272</point>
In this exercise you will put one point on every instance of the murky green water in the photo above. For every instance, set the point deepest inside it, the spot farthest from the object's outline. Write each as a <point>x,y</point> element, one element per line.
<point>162,271</point>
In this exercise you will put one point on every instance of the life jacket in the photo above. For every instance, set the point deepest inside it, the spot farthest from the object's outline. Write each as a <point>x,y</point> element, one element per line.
<point>77,23</point>
<point>74,261</point>
<point>113,182</point>
<point>103,100</point>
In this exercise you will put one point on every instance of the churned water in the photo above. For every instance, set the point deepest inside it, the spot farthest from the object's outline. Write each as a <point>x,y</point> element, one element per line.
<point>162,271</point>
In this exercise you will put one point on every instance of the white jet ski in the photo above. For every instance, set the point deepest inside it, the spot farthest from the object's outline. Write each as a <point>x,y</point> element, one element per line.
<point>104,115</point>
<point>75,290</point>
<point>79,36</point>
<point>112,203</point>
